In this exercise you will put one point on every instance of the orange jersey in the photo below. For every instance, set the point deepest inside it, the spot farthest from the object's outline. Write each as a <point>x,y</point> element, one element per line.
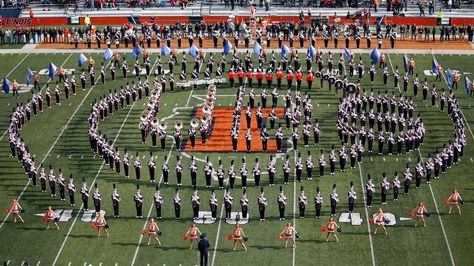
<point>279,74</point>
<point>299,76</point>
<point>310,77</point>
<point>250,75</point>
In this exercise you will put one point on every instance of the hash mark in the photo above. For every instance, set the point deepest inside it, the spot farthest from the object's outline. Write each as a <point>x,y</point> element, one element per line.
<point>58,156</point>
<point>70,104</point>
<point>371,159</point>
<point>472,160</point>
<point>383,159</point>
<point>409,159</point>
<point>70,156</point>
<point>396,159</point>
<point>82,156</point>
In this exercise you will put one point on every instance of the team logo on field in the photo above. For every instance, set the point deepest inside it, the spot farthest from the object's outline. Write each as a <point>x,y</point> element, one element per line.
<point>236,217</point>
<point>64,215</point>
<point>67,71</point>
<point>89,216</point>
<point>205,217</point>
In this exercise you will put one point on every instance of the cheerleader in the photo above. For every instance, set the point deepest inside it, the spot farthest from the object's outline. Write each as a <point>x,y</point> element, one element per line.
<point>16,208</point>
<point>154,231</point>
<point>420,210</point>
<point>101,223</point>
<point>330,228</point>
<point>454,199</point>
<point>192,233</point>
<point>379,221</point>
<point>289,233</point>
<point>50,218</point>
<point>239,235</point>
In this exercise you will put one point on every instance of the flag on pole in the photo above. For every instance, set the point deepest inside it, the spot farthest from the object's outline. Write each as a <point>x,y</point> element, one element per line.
<point>347,53</point>
<point>193,51</point>
<point>434,67</point>
<point>405,62</point>
<point>6,85</point>
<point>256,48</point>
<point>29,76</point>
<point>108,54</point>
<point>284,50</point>
<point>311,52</point>
<point>81,60</point>
<point>165,50</point>
<point>375,55</point>
<point>467,84</point>
<point>136,51</point>
<point>52,70</point>
<point>449,77</point>
<point>227,47</point>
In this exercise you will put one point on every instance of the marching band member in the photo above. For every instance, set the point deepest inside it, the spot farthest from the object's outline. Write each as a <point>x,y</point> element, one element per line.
<point>262,203</point>
<point>318,202</point>
<point>192,234</point>
<point>165,169</point>
<point>228,201</point>
<point>138,198</point>
<point>15,209</point>
<point>396,186</point>
<point>71,188</point>
<point>208,172</point>
<point>322,163</point>
<point>195,203</point>
<point>407,175</point>
<point>286,169</point>
<point>256,173</point>
<point>420,210</point>
<point>244,173</point>
<point>101,223</point>
<point>271,171</point>
<point>138,165</point>
<point>179,170</point>
<point>299,167</point>
<point>282,201</point>
<point>50,218</point>
<point>152,167</point>
<point>213,204</point>
<point>309,165</point>
<point>85,195</point>
<point>158,199</point>
<point>380,221</point>
<point>330,228</point>
<point>455,199</point>
<point>232,175</point>
<point>52,181</point>
<point>153,230</point>
<point>369,190</point>
<point>384,187</point>
<point>193,171</point>
<point>115,201</point>
<point>162,135</point>
<point>244,203</point>
<point>177,205</point>
<point>351,196</point>
<point>289,232</point>
<point>220,175</point>
<point>239,235</point>
<point>62,186</point>
<point>302,202</point>
<point>97,197</point>
<point>334,200</point>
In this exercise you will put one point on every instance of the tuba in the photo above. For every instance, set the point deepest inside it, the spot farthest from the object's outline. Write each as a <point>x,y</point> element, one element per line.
<point>204,119</point>
<point>143,118</point>
<point>178,125</point>
<point>155,123</point>
<point>163,125</point>
<point>206,110</point>
<point>194,123</point>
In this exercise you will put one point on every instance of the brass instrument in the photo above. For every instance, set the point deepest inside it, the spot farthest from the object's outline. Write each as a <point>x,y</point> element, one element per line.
<point>163,125</point>
<point>194,123</point>
<point>155,123</point>
<point>178,125</point>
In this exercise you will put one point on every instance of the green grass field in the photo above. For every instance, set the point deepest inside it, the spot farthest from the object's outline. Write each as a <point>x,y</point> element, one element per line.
<point>59,137</point>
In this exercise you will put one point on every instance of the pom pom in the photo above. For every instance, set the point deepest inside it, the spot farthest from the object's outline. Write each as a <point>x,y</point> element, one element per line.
<point>322,229</point>
<point>143,232</point>
<point>185,237</point>
<point>229,237</point>
<point>371,220</point>
<point>339,230</point>
<point>411,213</point>
<point>94,226</point>
<point>7,210</point>
<point>43,218</point>
<point>446,201</point>
<point>280,236</point>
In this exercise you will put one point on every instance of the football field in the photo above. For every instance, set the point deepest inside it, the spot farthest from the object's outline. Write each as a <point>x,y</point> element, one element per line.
<point>59,137</point>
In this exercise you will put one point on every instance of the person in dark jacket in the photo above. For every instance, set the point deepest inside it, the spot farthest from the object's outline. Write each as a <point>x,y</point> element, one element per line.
<point>203,247</point>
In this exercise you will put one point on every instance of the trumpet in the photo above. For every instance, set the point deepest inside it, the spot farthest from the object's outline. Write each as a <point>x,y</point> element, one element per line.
<point>178,125</point>
<point>163,125</point>
<point>194,123</point>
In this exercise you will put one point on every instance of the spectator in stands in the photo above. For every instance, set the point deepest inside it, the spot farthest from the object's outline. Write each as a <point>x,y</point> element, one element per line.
<point>421,7</point>
<point>431,7</point>
<point>450,5</point>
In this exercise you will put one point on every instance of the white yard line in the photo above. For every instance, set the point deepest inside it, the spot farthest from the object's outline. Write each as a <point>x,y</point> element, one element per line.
<point>294,208</point>
<point>372,253</point>
<point>91,185</point>
<point>439,218</point>
<point>17,65</point>
<point>150,210</point>
<point>47,154</point>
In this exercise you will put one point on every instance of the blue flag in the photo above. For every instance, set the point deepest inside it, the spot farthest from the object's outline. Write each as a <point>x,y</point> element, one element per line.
<point>29,76</point>
<point>467,84</point>
<point>285,51</point>
<point>256,48</point>
<point>347,53</point>
<point>6,85</point>
<point>81,60</point>
<point>375,56</point>
<point>193,51</point>
<point>311,52</point>
<point>136,51</point>
<point>165,50</point>
<point>227,47</point>
<point>52,70</point>
<point>108,54</point>
<point>449,77</point>
<point>405,62</point>
<point>434,67</point>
